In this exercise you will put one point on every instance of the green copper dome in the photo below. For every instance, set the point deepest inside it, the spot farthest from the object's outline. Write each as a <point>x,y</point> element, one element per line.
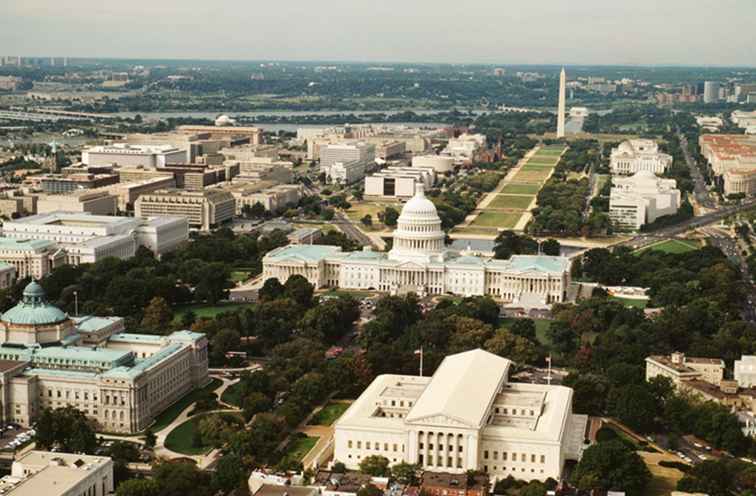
<point>34,309</point>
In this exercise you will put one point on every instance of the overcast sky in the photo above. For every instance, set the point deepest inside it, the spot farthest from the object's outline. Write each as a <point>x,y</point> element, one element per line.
<point>680,32</point>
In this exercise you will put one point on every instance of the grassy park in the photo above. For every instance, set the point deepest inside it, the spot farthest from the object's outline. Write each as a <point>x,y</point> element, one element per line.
<point>183,439</point>
<point>674,246</point>
<point>209,311</point>
<point>329,413</point>
<point>511,202</point>
<point>164,419</point>
<point>520,189</point>
<point>496,219</point>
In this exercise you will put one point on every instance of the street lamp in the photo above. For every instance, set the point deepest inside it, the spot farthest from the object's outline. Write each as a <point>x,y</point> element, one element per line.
<point>76,303</point>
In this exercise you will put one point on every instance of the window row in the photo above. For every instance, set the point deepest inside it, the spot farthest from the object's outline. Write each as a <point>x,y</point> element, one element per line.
<point>523,457</point>
<point>376,445</point>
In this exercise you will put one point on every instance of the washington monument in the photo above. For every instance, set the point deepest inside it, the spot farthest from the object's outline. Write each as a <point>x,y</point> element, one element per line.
<point>562,97</point>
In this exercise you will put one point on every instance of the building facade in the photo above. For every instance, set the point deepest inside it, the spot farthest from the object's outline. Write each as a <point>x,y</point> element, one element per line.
<point>745,371</point>
<point>467,416</point>
<point>678,368</point>
<point>120,381</point>
<point>86,238</point>
<point>398,182</point>
<point>126,154</point>
<point>638,155</point>
<point>344,172</point>
<point>641,199</point>
<point>347,152</point>
<point>203,209</point>
<point>442,164</point>
<point>419,262</point>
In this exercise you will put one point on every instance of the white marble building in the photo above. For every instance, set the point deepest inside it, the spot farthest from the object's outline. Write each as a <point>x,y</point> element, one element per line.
<point>641,199</point>
<point>420,262</point>
<point>637,155</point>
<point>468,416</point>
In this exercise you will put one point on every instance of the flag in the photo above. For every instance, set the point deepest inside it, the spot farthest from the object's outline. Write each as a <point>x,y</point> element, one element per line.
<point>419,351</point>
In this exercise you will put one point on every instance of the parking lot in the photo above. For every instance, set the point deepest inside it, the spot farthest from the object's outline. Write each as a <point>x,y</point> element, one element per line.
<point>14,436</point>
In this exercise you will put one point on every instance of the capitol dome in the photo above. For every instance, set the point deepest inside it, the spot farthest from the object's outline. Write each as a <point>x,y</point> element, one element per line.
<point>418,236</point>
<point>33,309</point>
<point>419,207</point>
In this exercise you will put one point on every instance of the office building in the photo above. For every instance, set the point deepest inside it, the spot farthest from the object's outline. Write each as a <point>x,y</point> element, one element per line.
<point>641,199</point>
<point>31,258</point>
<point>203,209</point>
<point>637,155</point>
<point>465,148</point>
<point>398,182</point>
<point>120,381</point>
<point>388,149</point>
<point>562,104</point>
<point>440,163</point>
<point>125,154</point>
<point>128,192</point>
<point>86,238</point>
<point>97,202</point>
<point>274,198</point>
<point>38,473</point>
<point>732,158</point>
<point>58,184</point>
<point>745,371</point>
<point>711,92</point>
<point>16,204</point>
<point>344,172</point>
<point>467,416</point>
<point>419,262</point>
<point>678,368</point>
<point>346,152</point>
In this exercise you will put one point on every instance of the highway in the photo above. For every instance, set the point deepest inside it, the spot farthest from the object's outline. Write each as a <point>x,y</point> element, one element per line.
<point>693,223</point>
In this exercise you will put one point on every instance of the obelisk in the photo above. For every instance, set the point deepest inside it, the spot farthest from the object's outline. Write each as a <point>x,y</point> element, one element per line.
<point>562,98</point>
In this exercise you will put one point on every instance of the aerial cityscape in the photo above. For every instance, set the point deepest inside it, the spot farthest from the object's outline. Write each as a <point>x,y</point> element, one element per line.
<point>398,249</point>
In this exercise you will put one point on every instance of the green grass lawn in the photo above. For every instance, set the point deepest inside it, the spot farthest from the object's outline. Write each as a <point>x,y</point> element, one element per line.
<point>329,414</point>
<point>532,176</point>
<point>240,275</point>
<point>520,189</point>
<point>496,219</point>
<point>181,439</point>
<point>541,325</point>
<point>537,167</point>
<point>675,246</point>
<point>209,311</point>
<point>631,302</point>
<point>232,395</point>
<point>298,448</point>
<point>542,161</point>
<point>164,419</point>
<point>510,201</point>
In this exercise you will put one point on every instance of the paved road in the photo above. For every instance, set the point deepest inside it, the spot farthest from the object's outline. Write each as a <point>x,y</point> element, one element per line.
<point>704,220</point>
<point>346,225</point>
<point>700,191</point>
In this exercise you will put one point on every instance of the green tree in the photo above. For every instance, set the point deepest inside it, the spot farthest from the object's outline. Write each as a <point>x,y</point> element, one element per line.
<point>157,316</point>
<point>255,403</point>
<point>367,220</point>
<point>516,348</point>
<point>369,490</point>
<point>375,465</point>
<point>149,439</point>
<point>230,473</point>
<point>181,479</point>
<point>551,247</point>
<point>404,472</point>
<point>611,466</point>
<point>67,428</point>
<point>299,290</point>
<point>272,289</point>
<point>139,487</point>
<point>390,216</point>
<point>634,405</point>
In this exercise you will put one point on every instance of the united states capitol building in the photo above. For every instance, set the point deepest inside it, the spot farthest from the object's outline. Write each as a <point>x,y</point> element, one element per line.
<point>119,380</point>
<point>419,262</point>
<point>467,416</point>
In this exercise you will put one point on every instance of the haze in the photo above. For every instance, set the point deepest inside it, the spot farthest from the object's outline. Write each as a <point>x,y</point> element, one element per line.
<point>677,32</point>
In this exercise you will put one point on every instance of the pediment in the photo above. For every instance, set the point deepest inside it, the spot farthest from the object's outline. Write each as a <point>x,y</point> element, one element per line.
<point>411,265</point>
<point>440,420</point>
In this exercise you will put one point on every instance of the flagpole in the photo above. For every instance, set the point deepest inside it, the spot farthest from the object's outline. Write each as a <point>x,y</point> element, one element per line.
<point>548,374</point>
